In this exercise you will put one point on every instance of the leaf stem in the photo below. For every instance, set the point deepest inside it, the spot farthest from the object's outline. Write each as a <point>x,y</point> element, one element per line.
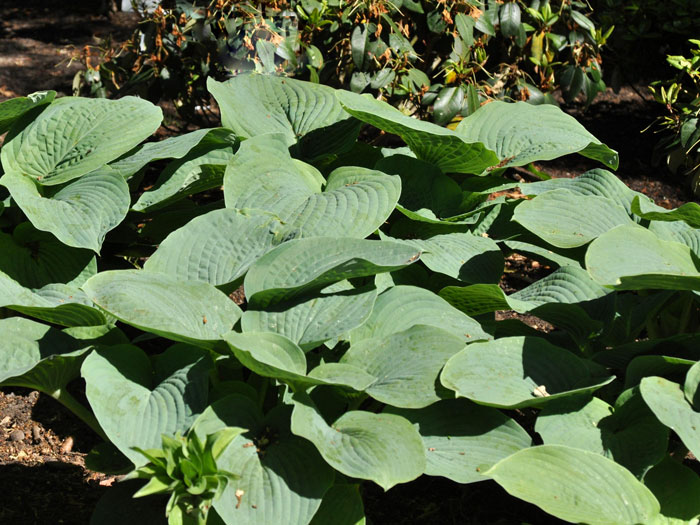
<point>72,404</point>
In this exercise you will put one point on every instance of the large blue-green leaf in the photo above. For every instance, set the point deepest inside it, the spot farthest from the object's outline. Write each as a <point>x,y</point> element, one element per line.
<point>80,213</point>
<point>672,407</point>
<point>463,256</point>
<point>301,265</point>
<point>634,258</point>
<point>136,401</point>
<point>514,372</point>
<point>440,146</point>
<point>401,307</point>
<point>576,485</point>
<point>219,247</point>
<point>317,318</point>
<point>461,439</point>
<point>172,148</point>
<point>196,172</point>
<point>60,304</point>
<point>282,477</point>
<point>555,216</point>
<point>406,364</point>
<point>384,448</point>
<point>11,110</point>
<point>629,432</point>
<point>354,203</point>
<point>677,488</point>
<point>187,311</point>
<point>521,133</point>
<point>75,136</point>
<point>34,259</point>
<point>253,105</point>
<point>688,212</point>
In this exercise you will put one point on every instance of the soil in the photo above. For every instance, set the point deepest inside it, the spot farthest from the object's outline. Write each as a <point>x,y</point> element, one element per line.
<point>43,446</point>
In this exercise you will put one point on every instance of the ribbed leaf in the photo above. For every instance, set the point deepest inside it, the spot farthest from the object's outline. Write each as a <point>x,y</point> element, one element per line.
<point>172,148</point>
<point>135,403</point>
<point>301,265</point>
<point>688,212</point>
<point>253,105</point>
<point>383,448</point>
<point>196,172</point>
<point>35,259</point>
<point>462,439</point>
<point>521,133</point>
<point>670,406</point>
<point>11,110</point>
<point>629,433</point>
<point>555,216</point>
<point>312,320</point>
<point>80,213</point>
<point>440,146</point>
<point>354,203</point>
<point>514,372</point>
<point>633,258</point>
<point>187,311</point>
<point>677,488</point>
<point>464,256</point>
<point>218,247</point>
<point>406,364</point>
<point>75,136</point>
<point>402,307</point>
<point>282,477</point>
<point>342,505</point>
<point>576,486</point>
<point>55,303</point>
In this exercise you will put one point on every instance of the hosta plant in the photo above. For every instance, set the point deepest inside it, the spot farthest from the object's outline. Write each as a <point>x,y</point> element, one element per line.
<point>362,345</point>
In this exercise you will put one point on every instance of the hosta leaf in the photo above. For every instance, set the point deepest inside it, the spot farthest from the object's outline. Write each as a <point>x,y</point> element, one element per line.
<point>342,374</point>
<point>172,148</point>
<point>301,265</point>
<point>218,247</point>
<point>633,258</point>
<point>187,311</point>
<point>677,231</point>
<point>75,136</point>
<point>253,105</point>
<point>282,476</point>
<point>11,110</point>
<point>555,216</point>
<point>629,433</point>
<point>402,307</point>
<point>80,213</point>
<point>688,212</point>
<point>676,487</point>
<point>655,365</point>
<point>383,448</point>
<point>55,303</point>
<point>440,146</point>
<point>312,320</point>
<point>195,173</point>
<point>521,133</point>
<point>135,402</point>
<point>541,254</point>
<point>354,203</point>
<point>269,355</point>
<point>341,505</point>
<point>515,372</point>
<point>462,439</point>
<point>423,185</point>
<point>406,364</point>
<point>595,183</point>
<point>35,259</point>
<point>37,356</point>
<point>576,486</point>
<point>464,256</point>
<point>670,406</point>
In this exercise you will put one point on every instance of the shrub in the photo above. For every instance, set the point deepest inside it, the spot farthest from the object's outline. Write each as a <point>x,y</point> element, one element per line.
<point>366,348</point>
<point>427,57</point>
